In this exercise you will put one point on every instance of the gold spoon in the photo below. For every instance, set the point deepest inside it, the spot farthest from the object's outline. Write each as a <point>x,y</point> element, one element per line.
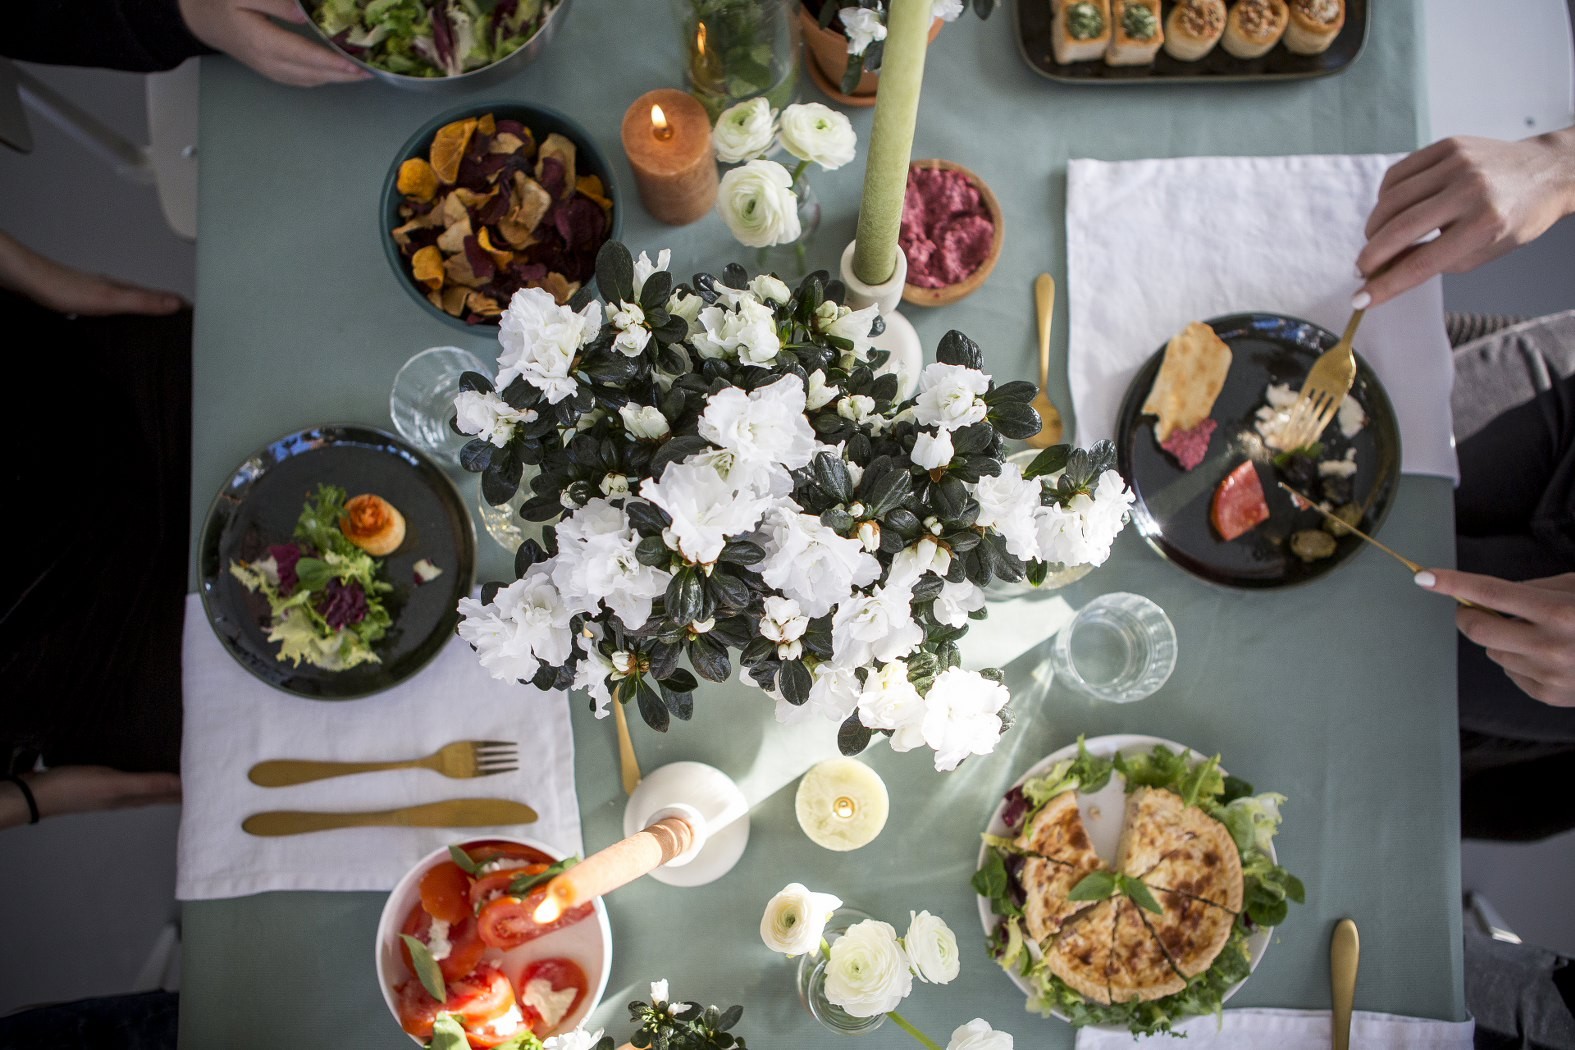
<point>1344,949</point>
<point>1051,431</point>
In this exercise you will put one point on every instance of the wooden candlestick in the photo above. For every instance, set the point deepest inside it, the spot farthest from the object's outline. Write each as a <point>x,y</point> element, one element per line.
<point>667,137</point>
<point>617,865</point>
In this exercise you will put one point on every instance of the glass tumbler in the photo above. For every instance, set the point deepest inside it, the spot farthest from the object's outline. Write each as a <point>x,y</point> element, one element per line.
<point>422,399</point>
<point>737,49</point>
<point>1119,648</point>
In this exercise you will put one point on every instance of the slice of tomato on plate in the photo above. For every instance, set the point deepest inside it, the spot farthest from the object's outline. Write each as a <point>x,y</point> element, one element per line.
<point>488,887</point>
<point>445,892</point>
<point>561,974</point>
<point>1239,505</point>
<point>465,946</point>
<point>509,922</point>
<point>478,1001</point>
<point>485,850</point>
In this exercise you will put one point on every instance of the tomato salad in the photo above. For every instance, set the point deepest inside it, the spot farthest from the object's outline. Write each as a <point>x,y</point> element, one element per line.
<point>473,908</point>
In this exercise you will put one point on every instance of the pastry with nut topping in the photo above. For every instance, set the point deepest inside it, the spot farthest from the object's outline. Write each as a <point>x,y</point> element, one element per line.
<point>1193,28</point>
<point>1254,27</point>
<point>1313,25</point>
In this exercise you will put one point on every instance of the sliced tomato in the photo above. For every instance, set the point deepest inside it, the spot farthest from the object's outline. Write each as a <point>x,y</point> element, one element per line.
<point>484,889</point>
<point>417,1010</point>
<point>509,922</point>
<point>484,850</point>
<point>465,947</point>
<point>478,1001</point>
<point>445,892</point>
<point>561,974</point>
<point>1239,505</point>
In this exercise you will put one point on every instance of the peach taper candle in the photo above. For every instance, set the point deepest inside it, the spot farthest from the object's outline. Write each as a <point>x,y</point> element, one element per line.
<point>617,865</point>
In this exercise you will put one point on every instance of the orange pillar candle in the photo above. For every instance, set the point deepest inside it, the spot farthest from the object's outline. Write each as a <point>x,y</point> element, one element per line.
<point>617,865</point>
<point>667,136</point>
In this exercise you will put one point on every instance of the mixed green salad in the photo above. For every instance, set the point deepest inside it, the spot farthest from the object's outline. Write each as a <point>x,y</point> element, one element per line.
<point>1252,821</point>
<point>324,592</point>
<point>430,38</point>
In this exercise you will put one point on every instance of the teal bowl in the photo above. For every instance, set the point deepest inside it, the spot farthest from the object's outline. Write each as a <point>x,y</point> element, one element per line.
<point>589,160</point>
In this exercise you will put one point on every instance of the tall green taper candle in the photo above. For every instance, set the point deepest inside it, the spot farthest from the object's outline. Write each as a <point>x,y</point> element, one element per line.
<point>891,141</point>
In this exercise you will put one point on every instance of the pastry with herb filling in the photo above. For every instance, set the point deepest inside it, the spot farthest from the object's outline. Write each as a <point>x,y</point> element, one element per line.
<point>1081,31</point>
<point>1136,33</point>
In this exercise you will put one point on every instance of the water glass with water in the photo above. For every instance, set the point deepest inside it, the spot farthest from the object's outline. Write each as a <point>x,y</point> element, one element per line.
<point>1119,647</point>
<point>422,399</point>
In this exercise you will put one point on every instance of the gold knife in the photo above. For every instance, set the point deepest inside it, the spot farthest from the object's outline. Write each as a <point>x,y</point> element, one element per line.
<point>453,813</point>
<point>1344,951</point>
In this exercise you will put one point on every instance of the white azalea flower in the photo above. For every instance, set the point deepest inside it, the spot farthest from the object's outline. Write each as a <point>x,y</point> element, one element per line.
<point>596,564</point>
<point>867,973</point>
<point>770,288</point>
<point>1007,504</point>
<point>765,425</point>
<point>748,332</point>
<point>644,268</point>
<point>782,622</point>
<point>889,701</point>
<point>745,131</point>
<point>932,451</point>
<point>978,1035</point>
<point>795,919</point>
<point>834,696</point>
<point>820,393</point>
<point>946,10</point>
<point>876,626</point>
<point>819,134</point>
<point>540,340</point>
<point>758,204</point>
<point>810,563</point>
<point>632,335</point>
<point>1082,532</point>
<point>960,716</point>
<point>525,626</point>
<point>591,675</point>
<point>908,564</point>
<point>486,415</point>
<point>644,422</point>
<point>932,948</point>
<point>951,396</point>
<point>659,992</point>
<point>956,601</point>
<point>863,28</point>
<point>579,1039</point>
<point>687,306</point>
<point>705,508</point>
<point>852,325</point>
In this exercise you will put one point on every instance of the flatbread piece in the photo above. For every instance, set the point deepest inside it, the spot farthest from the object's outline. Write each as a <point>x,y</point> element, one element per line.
<point>1190,379</point>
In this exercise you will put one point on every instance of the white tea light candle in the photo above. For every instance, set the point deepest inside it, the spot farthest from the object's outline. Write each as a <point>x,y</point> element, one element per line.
<point>842,804</point>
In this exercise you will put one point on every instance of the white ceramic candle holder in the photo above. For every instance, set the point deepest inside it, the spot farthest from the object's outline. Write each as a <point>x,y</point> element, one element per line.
<point>712,804</point>
<point>900,338</point>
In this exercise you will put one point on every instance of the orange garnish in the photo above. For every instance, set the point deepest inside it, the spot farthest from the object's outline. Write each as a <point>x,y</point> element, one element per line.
<point>417,179</point>
<point>448,148</point>
<point>427,266</point>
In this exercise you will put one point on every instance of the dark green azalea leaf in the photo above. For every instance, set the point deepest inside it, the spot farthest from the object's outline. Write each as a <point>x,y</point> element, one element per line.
<point>528,554</point>
<point>902,521</point>
<point>680,704</point>
<point>476,455</point>
<point>1048,462</point>
<point>489,590</point>
<point>653,552</point>
<point>727,590</point>
<point>732,1014</point>
<point>615,273</point>
<point>971,440</point>
<point>957,349</point>
<point>654,293</point>
<point>709,659</point>
<point>646,517</point>
<point>652,709</point>
<point>1019,390</point>
<point>831,474</point>
<point>742,552</point>
<point>795,682</point>
<point>680,681</point>
<point>1015,421</point>
<point>853,736</point>
<point>475,381</point>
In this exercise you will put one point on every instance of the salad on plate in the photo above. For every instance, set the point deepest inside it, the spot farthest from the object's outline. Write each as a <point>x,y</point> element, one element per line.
<point>430,38</point>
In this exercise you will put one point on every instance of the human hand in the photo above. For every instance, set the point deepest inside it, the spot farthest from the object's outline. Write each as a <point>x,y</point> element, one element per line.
<point>68,291</point>
<point>85,789</point>
<point>244,30</point>
<point>1536,650</point>
<point>1485,197</point>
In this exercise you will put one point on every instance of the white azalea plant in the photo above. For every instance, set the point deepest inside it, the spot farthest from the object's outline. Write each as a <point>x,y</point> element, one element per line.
<point>664,1025</point>
<point>863,22</point>
<point>729,480</point>
<point>870,970</point>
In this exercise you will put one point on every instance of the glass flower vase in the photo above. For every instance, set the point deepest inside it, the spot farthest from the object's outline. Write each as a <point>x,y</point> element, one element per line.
<point>812,983</point>
<point>738,49</point>
<point>790,260</point>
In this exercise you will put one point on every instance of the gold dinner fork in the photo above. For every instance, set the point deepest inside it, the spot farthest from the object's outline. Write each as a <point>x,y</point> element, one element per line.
<point>462,759</point>
<point>1324,391</point>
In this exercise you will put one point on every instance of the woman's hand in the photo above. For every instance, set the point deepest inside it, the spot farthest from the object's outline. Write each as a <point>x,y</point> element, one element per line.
<point>244,29</point>
<point>84,789</point>
<point>67,291</point>
<point>1537,649</point>
<point>1485,198</point>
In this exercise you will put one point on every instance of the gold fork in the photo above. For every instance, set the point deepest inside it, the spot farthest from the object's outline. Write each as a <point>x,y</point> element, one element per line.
<point>1323,392</point>
<point>462,759</point>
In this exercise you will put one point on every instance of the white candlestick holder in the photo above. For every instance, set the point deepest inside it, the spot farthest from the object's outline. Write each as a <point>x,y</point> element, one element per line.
<point>900,338</point>
<point>713,805</point>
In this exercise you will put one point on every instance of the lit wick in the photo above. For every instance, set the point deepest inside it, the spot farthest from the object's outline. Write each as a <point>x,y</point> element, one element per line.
<point>844,807</point>
<point>659,126</point>
<point>700,40</point>
<point>617,865</point>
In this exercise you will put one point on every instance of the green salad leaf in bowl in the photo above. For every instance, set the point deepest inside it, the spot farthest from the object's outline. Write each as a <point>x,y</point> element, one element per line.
<point>429,38</point>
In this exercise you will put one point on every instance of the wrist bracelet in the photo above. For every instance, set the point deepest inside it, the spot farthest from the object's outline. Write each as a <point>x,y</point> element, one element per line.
<point>27,793</point>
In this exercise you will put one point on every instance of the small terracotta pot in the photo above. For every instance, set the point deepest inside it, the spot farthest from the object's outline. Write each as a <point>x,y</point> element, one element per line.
<point>828,60</point>
<point>947,294</point>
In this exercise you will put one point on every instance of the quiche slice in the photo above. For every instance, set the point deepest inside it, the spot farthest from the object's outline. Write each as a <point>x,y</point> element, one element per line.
<point>1207,866</point>
<point>1056,832</point>
<point>1139,969</point>
<point>1155,825</point>
<point>1080,955</point>
<point>1046,884</point>
<point>1191,931</point>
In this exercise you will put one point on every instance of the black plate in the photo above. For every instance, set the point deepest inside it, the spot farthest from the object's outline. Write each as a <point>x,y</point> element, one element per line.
<point>1034,20</point>
<point>1172,509</point>
<point>259,505</point>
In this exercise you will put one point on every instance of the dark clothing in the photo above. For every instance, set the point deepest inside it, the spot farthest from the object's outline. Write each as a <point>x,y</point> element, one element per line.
<point>1514,407</point>
<point>1522,996</point>
<point>142,36</point>
<point>144,1021</point>
<point>93,581</point>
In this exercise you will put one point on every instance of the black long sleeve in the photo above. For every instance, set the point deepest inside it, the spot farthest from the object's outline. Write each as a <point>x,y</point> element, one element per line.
<point>141,36</point>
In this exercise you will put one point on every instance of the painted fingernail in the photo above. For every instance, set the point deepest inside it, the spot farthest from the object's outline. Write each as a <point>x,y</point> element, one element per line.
<point>1426,579</point>
<point>1356,272</point>
<point>1361,301</point>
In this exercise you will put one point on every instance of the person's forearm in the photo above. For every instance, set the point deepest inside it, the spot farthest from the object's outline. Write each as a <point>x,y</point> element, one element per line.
<point>1561,171</point>
<point>13,807</point>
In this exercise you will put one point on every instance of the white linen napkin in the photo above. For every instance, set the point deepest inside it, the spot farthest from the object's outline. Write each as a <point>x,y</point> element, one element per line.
<point>233,721</point>
<point>1154,244</point>
<point>1297,1030</point>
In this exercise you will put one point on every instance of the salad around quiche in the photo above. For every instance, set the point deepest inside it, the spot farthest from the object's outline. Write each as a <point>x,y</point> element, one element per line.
<point>1162,933</point>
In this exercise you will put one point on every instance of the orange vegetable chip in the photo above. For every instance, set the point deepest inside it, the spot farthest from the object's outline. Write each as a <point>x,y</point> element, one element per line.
<point>417,179</point>
<point>454,297</point>
<point>500,257</point>
<point>484,305</point>
<point>591,186</point>
<point>486,125</point>
<point>561,287</point>
<point>427,266</point>
<point>448,148</point>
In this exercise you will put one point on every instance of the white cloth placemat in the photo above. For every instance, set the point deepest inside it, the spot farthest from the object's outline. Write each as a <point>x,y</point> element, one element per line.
<point>1296,1030</point>
<point>1154,244</point>
<point>233,721</point>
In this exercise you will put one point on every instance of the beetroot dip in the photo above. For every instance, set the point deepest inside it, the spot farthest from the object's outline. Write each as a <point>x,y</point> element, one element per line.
<point>946,228</point>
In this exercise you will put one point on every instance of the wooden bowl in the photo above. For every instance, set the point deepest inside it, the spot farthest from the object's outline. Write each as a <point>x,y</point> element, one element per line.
<point>951,293</point>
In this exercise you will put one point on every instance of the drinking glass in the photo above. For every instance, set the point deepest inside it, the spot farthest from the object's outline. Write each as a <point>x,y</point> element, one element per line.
<point>737,49</point>
<point>1119,647</point>
<point>503,522</point>
<point>422,399</point>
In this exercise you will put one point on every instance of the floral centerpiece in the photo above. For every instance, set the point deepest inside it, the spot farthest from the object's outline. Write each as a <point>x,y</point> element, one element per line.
<point>728,475</point>
<point>863,22</point>
<point>659,1024</point>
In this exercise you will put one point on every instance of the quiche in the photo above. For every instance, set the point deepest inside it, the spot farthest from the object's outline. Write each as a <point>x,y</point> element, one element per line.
<point>1206,866</point>
<point>1081,954</point>
<point>1056,832</point>
<point>1139,968</point>
<point>1156,825</point>
<point>1047,883</point>
<point>1192,932</point>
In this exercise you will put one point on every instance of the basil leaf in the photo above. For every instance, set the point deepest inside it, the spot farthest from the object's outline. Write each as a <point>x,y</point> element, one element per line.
<point>460,857</point>
<point>525,883</point>
<point>1095,886</point>
<point>447,1034</point>
<point>426,967</point>
<point>1139,894</point>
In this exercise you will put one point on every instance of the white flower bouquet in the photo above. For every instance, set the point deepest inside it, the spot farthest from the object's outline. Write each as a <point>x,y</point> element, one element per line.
<point>728,476</point>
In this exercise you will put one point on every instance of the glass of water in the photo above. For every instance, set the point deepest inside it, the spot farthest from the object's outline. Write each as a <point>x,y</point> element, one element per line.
<point>423,398</point>
<point>1119,647</point>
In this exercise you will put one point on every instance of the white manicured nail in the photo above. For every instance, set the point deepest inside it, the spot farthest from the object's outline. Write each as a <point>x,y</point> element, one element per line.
<point>1356,271</point>
<point>1361,301</point>
<point>1426,579</point>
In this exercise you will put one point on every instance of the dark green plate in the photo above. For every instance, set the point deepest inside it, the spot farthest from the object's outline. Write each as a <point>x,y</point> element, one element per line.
<point>1172,508</point>
<point>258,506</point>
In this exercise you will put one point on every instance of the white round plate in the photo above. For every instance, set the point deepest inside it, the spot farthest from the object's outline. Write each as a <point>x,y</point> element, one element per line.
<point>1103,812</point>
<point>586,943</point>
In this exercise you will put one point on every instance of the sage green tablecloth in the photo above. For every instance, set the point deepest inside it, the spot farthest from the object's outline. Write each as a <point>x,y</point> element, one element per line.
<point>1339,694</point>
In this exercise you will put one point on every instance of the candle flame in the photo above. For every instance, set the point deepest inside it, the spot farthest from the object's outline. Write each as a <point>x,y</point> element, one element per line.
<point>550,907</point>
<point>659,126</point>
<point>700,39</point>
<point>844,807</point>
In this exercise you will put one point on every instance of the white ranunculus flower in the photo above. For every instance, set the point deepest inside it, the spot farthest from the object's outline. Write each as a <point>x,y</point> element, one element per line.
<point>820,393</point>
<point>875,626</point>
<point>758,204</point>
<point>540,340</point>
<point>867,973</point>
<point>810,563</point>
<point>579,1039</point>
<point>932,948</point>
<point>834,696</point>
<point>1007,504</point>
<point>795,919</point>
<point>932,451</point>
<point>705,508</point>
<point>889,701</point>
<point>770,289</point>
<point>978,1035</point>
<point>956,601</point>
<point>764,425</point>
<point>596,564</point>
<point>591,675</point>
<point>819,134</point>
<point>525,625</point>
<point>644,268</point>
<point>745,131</point>
<point>951,396</point>
<point>960,716</point>
<point>863,28</point>
<point>946,10</point>
<point>644,422</point>
<point>488,416</point>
